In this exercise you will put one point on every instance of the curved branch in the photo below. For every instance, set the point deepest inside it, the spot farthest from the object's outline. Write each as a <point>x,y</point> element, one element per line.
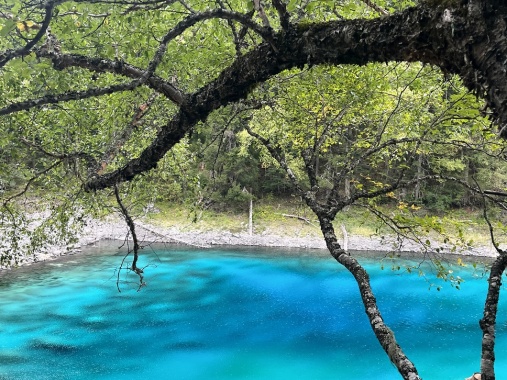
<point>322,139</point>
<point>76,13</point>
<point>385,190</point>
<point>474,146</point>
<point>485,194</point>
<point>10,54</point>
<point>137,3</point>
<point>88,158</point>
<point>372,150</point>
<point>279,156</point>
<point>124,136</point>
<point>62,61</point>
<point>403,232</point>
<point>193,19</point>
<point>378,145</point>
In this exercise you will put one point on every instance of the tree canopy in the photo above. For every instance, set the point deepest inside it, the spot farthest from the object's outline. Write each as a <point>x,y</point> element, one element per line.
<point>203,56</point>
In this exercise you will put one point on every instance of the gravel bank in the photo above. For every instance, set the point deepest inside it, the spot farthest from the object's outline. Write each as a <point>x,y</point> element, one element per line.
<point>114,229</point>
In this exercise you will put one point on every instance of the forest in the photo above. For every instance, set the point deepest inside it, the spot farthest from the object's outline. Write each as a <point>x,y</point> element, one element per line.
<point>394,106</point>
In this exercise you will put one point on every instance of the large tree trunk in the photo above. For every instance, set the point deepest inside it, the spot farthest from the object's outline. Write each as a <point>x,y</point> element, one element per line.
<point>383,333</point>
<point>488,320</point>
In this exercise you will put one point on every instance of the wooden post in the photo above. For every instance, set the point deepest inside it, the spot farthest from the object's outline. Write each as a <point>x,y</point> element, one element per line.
<point>250,216</point>
<point>345,238</point>
<point>250,211</point>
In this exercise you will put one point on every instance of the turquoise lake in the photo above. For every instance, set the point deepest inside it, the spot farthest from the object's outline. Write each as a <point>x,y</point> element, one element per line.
<point>234,314</point>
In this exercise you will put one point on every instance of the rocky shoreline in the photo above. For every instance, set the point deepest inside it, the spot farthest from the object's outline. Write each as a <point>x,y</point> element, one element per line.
<point>114,229</point>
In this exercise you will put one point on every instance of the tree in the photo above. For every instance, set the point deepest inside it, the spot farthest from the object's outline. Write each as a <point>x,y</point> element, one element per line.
<point>78,77</point>
<point>301,142</point>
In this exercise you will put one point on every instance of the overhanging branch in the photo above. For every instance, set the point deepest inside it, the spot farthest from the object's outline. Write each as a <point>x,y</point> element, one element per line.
<point>399,37</point>
<point>322,43</point>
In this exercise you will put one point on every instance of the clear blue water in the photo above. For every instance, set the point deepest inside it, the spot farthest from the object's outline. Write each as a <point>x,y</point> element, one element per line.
<point>232,314</point>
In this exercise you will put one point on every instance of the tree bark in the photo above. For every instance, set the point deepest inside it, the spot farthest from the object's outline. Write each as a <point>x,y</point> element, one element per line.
<point>383,333</point>
<point>488,321</point>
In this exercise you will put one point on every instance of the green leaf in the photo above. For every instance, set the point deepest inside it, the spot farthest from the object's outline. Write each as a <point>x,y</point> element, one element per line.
<point>9,26</point>
<point>291,7</point>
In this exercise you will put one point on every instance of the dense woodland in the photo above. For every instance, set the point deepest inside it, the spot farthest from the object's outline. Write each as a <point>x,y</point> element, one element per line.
<point>393,105</point>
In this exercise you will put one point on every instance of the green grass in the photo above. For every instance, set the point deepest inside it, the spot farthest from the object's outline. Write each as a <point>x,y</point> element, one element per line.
<point>270,217</point>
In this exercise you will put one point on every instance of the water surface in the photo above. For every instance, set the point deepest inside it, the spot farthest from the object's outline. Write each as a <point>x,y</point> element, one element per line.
<point>233,314</point>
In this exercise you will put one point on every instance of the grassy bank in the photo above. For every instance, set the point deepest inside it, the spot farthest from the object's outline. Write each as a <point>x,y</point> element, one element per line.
<point>289,217</point>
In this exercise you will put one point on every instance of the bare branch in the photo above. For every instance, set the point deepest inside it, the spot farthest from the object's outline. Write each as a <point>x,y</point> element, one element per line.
<point>322,139</point>
<point>492,192</point>
<point>67,96</point>
<point>399,99</point>
<point>126,133</point>
<point>403,232</point>
<point>30,181</point>
<point>137,3</point>
<point>232,26</point>
<point>265,32</point>
<point>302,218</point>
<point>283,14</point>
<point>76,13</point>
<point>64,157</point>
<point>379,145</point>
<point>388,189</point>
<point>132,228</point>
<point>352,164</point>
<point>62,61</point>
<point>310,156</point>
<point>376,7</point>
<point>485,194</point>
<point>476,146</point>
<point>259,8</point>
<point>7,16</point>
<point>277,153</point>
